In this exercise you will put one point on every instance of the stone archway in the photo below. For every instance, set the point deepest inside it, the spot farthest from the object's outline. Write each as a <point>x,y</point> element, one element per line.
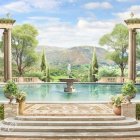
<point>7,24</point>
<point>133,24</point>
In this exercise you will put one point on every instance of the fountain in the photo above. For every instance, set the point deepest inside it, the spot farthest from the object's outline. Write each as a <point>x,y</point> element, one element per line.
<point>69,81</point>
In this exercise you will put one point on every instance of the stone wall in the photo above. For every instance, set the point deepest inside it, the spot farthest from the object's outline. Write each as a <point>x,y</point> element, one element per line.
<point>10,110</point>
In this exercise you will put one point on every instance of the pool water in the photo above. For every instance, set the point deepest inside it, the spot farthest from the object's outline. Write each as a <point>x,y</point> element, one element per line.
<point>84,92</point>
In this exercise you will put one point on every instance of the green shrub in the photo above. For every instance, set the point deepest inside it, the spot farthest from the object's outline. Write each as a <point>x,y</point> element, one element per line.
<point>107,72</point>
<point>10,88</point>
<point>138,111</point>
<point>34,74</point>
<point>129,89</point>
<point>1,112</point>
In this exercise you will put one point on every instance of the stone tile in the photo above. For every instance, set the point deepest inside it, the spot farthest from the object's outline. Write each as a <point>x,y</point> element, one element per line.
<point>68,109</point>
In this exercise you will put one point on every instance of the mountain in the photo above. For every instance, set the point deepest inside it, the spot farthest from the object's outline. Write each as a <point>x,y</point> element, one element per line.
<point>75,55</point>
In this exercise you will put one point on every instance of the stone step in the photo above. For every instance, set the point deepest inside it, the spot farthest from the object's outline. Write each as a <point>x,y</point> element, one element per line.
<point>14,128</point>
<point>12,121</point>
<point>70,118</point>
<point>71,135</point>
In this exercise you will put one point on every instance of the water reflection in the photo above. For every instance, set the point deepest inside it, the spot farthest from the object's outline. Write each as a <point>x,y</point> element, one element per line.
<point>84,92</point>
<point>45,90</point>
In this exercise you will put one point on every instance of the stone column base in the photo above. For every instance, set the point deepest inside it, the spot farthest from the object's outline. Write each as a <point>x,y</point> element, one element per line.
<point>128,110</point>
<point>10,110</point>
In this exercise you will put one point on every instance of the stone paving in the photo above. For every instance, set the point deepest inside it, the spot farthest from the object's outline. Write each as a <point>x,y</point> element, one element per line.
<point>68,109</point>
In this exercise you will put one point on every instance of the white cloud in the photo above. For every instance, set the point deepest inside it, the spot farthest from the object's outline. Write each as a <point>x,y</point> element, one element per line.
<point>35,18</point>
<point>122,0</point>
<point>95,5</point>
<point>29,5</point>
<point>94,24</point>
<point>125,15</point>
<point>72,1</point>
<point>135,8</point>
<point>125,0</point>
<point>63,34</point>
<point>19,6</point>
<point>43,4</point>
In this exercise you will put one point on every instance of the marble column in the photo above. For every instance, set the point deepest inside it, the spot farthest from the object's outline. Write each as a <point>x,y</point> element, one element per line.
<point>5,54</point>
<point>134,55</point>
<point>130,56</point>
<point>9,61</point>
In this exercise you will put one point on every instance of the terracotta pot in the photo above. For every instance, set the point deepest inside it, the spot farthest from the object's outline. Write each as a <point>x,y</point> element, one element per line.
<point>117,110</point>
<point>21,107</point>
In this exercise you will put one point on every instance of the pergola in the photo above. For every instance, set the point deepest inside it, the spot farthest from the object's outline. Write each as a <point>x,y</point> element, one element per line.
<point>133,24</point>
<point>7,24</point>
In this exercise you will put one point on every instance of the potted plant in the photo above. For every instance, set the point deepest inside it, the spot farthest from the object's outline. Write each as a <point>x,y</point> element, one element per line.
<point>129,91</point>
<point>20,98</point>
<point>117,100</point>
<point>10,90</point>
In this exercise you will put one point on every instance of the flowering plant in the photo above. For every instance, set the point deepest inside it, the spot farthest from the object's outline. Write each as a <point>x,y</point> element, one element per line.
<point>20,96</point>
<point>117,100</point>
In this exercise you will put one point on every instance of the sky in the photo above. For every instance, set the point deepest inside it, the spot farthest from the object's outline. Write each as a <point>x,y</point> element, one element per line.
<point>69,23</point>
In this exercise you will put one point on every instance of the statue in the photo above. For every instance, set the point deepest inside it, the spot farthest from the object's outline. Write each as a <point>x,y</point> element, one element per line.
<point>69,70</point>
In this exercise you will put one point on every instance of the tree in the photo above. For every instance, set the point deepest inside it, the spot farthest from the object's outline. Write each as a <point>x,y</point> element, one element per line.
<point>24,43</point>
<point>43,62</point>
<point>45,68</point>
<point>48,74</point>
<point>117,40</point>
<point>94,68</point>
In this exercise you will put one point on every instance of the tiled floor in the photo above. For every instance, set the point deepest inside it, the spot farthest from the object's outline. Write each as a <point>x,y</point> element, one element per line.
<point>68,109</point>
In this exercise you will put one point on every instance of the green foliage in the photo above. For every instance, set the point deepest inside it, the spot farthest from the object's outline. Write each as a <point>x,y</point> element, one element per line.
<point>138,111</point>
<point>45,68</point>
<point>20,96</point>
<point>117,40</point>
<point>38,74</point>
<point>24,43</point>
<point>129,89</point>
<point>117,100</point>
<point>57,72</point>
<point>94,68</point>
<point>1,112</point>
<point>11,88</point>
<point>107,72</point>
<point>48,75</point>
<point>43,62</point>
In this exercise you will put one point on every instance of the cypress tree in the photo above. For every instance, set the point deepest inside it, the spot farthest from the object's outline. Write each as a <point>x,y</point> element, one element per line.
<point>94,68</point>
<point>43,62</point>
<point>48,74</point>
<point>45,68</point>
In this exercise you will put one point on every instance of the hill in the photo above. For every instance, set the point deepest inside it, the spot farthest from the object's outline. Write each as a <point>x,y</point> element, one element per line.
<point>75,55</point>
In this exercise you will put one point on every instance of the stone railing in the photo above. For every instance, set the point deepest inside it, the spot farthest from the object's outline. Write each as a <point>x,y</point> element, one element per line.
<point>116,80</point>
<point>112,79</point>
<point>23,79</point>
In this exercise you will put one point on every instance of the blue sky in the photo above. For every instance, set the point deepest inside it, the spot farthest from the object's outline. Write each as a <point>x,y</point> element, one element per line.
<point>68,23</point>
